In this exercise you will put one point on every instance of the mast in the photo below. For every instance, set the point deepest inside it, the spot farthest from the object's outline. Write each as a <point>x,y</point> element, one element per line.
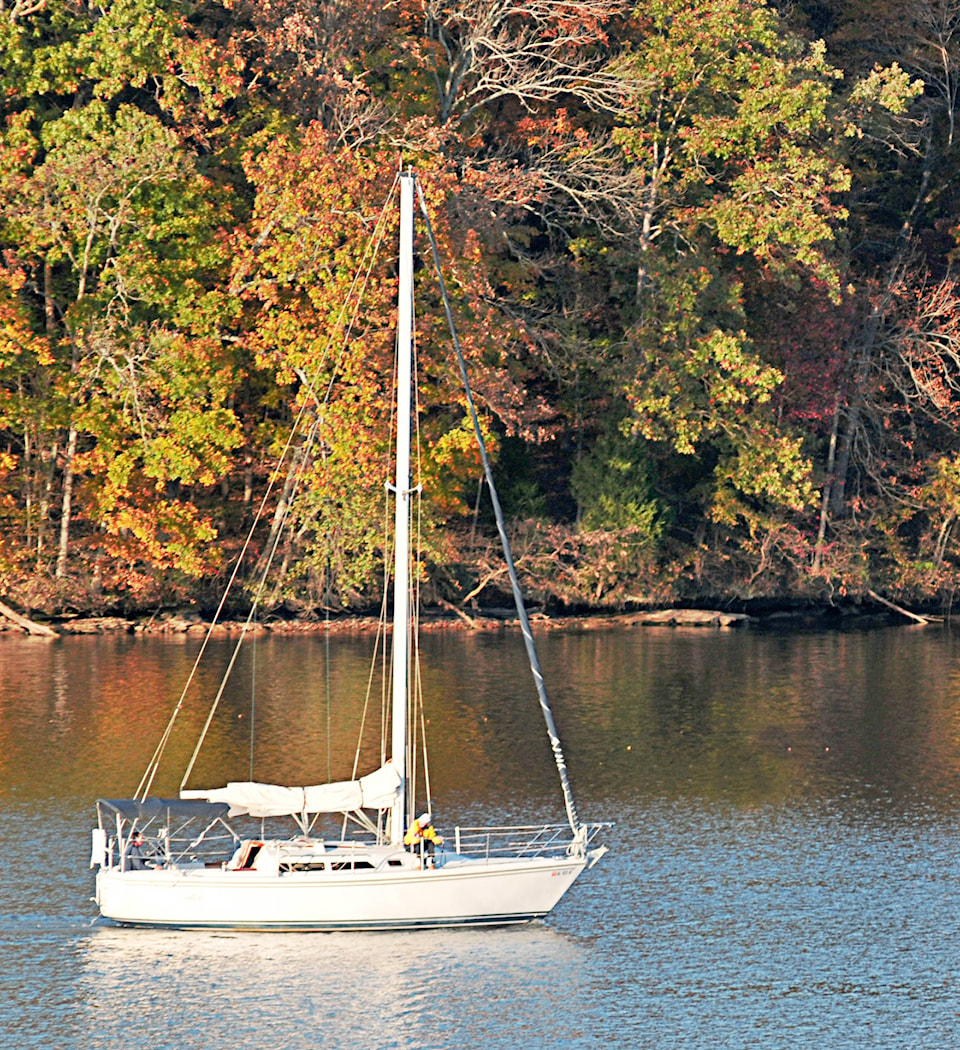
<point>401,589</point>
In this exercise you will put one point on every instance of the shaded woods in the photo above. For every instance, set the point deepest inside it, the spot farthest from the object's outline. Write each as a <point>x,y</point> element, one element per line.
<point>702,263</point>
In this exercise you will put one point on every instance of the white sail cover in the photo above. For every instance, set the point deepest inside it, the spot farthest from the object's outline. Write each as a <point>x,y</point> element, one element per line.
<point>377,790</point>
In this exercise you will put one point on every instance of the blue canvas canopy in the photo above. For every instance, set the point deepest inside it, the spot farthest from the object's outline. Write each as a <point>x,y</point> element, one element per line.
<point>152,808</point>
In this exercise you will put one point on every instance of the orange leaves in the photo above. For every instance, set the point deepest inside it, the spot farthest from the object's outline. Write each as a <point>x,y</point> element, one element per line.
<point>20,346</point>
<point>167,535</point>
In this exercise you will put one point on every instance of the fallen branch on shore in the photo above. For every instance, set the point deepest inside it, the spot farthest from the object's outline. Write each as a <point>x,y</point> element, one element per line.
<point>898,609</point>
<point>30,626</point>
<point>468,620</point>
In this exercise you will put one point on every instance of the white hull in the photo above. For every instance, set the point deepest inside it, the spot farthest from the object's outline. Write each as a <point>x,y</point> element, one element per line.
<point>460,892</point>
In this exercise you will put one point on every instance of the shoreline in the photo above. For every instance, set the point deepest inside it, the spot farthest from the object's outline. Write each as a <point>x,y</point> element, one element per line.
<point>190,623</point>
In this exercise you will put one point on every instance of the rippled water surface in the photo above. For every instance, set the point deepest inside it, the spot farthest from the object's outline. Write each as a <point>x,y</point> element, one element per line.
<point>783,868</point>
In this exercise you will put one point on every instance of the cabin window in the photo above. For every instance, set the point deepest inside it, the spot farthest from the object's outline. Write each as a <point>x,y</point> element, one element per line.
<point>350,865</point>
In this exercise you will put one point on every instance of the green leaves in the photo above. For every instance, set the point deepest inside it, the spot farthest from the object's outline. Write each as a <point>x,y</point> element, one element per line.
<point>105,205</point>
<point>614,490</point>
<point>728,133</point>
<point>647,221</point>
<point>732,139</point>
<point>92,193</point>
<point>61,55</point>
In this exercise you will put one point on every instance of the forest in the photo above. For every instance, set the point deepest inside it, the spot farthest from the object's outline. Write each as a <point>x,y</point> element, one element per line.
<point>700,252</point>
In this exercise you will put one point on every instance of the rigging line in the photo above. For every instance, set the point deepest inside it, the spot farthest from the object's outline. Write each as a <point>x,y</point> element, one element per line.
<point>379,648</point>
<point>418,678</point>
<point>381,622</point>
<point>382,630</point>
<point>366,701</point>
<point>261,587</point>
<point>428,791</point>
<point>370,253</point>
<point>387,561</point>
<point>253,699</point>
<point>355,295</point>
<point>417,666</point>
<point>146,782</point>
<point>381,634</point>
<point>534,659</point>
<point>417,583</point>
<point>326,666</point>
<point>411,627</point>
<point>373,248</point>
<point>412,710</point>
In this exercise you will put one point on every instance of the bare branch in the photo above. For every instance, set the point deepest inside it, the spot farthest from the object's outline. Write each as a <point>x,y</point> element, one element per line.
<point>532,51</point>
<point>19,9</point>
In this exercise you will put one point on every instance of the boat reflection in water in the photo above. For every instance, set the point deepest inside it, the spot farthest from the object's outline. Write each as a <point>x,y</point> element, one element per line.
<point>305,990</point>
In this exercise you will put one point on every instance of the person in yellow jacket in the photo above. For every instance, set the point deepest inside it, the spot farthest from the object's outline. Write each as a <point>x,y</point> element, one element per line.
<point>423,837</point>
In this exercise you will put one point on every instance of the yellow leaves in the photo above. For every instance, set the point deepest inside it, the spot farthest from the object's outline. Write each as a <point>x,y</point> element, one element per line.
<point>19,145</point>
<point>772,467</point>
<point>944,489</point>
<point>713,391</point>
<point>20,345</point>
<point>888,87</point>
<point>451,465</point>
<point>731,374</point>
<point>458,444</point>
<point>740,107</point>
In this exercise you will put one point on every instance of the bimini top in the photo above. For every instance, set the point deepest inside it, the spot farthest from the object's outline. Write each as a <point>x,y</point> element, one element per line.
<point>377,790</point>
<point>150,808</point>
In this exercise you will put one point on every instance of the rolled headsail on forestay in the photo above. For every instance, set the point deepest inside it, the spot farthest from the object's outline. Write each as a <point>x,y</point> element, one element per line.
<point>376,791</point>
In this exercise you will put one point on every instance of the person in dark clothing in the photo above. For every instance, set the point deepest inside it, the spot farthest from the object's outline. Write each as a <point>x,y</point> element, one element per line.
<point>135,852</point>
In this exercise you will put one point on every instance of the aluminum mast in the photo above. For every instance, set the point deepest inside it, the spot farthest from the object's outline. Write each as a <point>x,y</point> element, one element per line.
<point>401,587</point>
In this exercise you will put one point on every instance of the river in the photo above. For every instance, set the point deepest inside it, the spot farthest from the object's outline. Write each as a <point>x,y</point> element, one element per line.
<point>783,868</point>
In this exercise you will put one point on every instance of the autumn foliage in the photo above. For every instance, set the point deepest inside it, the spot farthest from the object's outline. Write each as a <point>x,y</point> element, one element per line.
<point>701,263</point>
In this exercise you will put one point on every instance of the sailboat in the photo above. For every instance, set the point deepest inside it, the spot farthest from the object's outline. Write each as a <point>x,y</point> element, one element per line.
<point>205,860</point>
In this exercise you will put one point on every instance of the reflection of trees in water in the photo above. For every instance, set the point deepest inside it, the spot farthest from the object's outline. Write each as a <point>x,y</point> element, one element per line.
<point>738,714</point>
<point>753,716</point>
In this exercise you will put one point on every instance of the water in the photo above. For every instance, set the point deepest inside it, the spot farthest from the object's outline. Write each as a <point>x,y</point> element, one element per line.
<point>783,873</point>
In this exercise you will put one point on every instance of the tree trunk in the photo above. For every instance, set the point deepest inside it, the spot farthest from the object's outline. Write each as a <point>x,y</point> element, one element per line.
<point>28,625</point>
<point>828,486</point>
<point>43,511</point>
<point>871,326</point>
<point>28,473</point>
<point>280,514</point>
<point>49,313</point>
<point>838,488</point>
<point>66,502</point>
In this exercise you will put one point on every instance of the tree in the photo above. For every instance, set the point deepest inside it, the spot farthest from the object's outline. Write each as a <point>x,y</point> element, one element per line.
<point>738,184</point>
<point>112,208</point>
<point>535,54</point>
<point>137,396</point>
